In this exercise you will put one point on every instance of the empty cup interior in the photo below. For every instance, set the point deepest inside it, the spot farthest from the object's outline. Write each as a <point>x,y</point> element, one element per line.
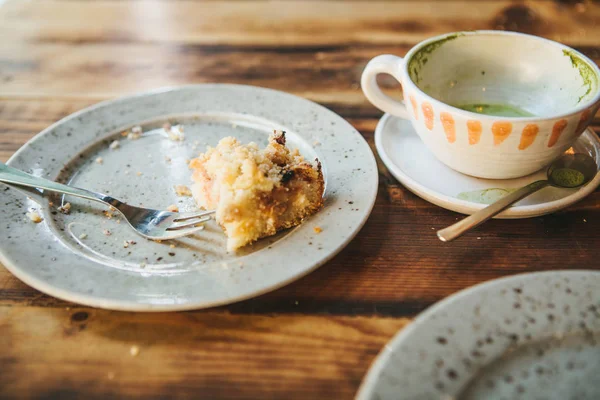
<point>530,75</point>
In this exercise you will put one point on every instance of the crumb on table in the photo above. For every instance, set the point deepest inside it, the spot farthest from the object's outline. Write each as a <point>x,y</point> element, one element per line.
<point>34,216</point>
<point>173,208</point>
<point>106,232</point>
<point>135,134</point>
<point>182,190</point>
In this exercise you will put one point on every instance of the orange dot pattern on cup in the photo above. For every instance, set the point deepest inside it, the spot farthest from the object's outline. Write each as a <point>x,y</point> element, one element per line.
<point>413,101</point>
<point>428,115</point>
<point>448,124</point>
<point>582,121</point>
<point>501,130</point>
<point>557,130</point>
<point>474,129</point>
<point>528,135</point>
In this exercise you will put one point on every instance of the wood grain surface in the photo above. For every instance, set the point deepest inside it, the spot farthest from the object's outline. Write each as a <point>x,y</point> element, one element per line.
<point>316,337</point>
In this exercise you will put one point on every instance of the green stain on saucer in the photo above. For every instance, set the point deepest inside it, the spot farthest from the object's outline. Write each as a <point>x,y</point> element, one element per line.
<point>485,196</point>
<point>590,79</point>
<point>567,177</point>
<point>419,59</point>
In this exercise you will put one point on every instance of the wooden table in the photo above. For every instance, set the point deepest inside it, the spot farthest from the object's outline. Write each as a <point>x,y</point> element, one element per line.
<point>316,337</point>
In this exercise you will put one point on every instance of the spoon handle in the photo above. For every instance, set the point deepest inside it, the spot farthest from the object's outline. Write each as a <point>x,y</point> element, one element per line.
<point>478,218</point>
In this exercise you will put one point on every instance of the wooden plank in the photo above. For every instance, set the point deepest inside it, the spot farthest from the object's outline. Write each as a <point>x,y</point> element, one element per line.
<point>111,48</point>
<point>293,22</point>
<point>86,353</point>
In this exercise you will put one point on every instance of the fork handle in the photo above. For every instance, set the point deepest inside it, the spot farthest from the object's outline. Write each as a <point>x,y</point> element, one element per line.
<point>17,177</point>
<point>478,218</point>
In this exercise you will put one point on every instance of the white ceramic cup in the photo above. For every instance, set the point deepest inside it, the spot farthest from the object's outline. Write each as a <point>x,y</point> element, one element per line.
<point>553,88</point>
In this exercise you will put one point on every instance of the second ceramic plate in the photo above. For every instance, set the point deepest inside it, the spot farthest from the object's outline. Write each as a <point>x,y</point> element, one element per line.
<point>407,158</point>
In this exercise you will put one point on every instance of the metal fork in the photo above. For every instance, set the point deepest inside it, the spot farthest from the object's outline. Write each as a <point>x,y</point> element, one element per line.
<point>152,224</point>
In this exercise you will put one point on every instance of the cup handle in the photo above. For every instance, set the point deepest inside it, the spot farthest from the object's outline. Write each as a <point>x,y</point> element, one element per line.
<point>383,64</point>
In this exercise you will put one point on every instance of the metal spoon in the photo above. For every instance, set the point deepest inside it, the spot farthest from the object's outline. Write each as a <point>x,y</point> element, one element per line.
<point>569,171</point>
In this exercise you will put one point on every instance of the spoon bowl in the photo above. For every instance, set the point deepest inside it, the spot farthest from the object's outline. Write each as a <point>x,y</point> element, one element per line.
<point>572,171</point>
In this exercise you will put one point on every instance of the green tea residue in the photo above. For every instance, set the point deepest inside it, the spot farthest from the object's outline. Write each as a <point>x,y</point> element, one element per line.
<point>499,110</point>
<point>485,196</point>
<point>419,59</point>
<point>590,80</point>
<point>567,177</point>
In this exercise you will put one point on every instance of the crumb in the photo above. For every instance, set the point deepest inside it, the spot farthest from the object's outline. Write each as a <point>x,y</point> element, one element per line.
<point>316,143</point>
<point>111,208</point>
<point>126,172</point>
<point>99,160</point>
<point>50,204</point>
<point>125,244</point>
<point>34,217</point>
<point>115,145</point>
<point>175,133</point>
<point>118,221</point>
<point>108,214</point>
<point>317,229</point>
<point>584,220</point>
<point>296,302</point>
<point>124,133</point>
<point>478,237</point>
<point>65,208</point>
<point>106,232</point>
<point>167,126</point>
<point>172,254</point>
<point>158,240</point>
<point>432,228</point>
<point>134,351</point>
<point>168,159</point>
<point>135,134</point>
<point>142,265</point>
<point>182,190</point>
<point>138,173</point>
<point>173,208</point>
<point>172,246</point>
<point>187,162</point>
<point>83,236</point>
<point>111,376</point>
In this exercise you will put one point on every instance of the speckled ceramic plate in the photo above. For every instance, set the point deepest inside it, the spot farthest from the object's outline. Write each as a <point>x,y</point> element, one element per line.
<point>70,256</point>
<point>531,336</point>
<point>407,158</point>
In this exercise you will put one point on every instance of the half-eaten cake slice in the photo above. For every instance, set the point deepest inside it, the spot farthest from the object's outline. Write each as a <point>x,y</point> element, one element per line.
<point>256,192</point>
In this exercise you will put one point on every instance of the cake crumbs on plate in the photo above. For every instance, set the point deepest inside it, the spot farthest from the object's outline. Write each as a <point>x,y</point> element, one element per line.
<point>106,232</point>
<point>183,190</point>
<point>34,216</point>
<point>318,229</point>
<point>172,246</point>
<point>134,351</point>
<point>168,159</point>
<point>135,134</point>
<point>127,243</point>
<point>115,145</point>
<point>142,265</point>
<point>138,173</point>
<point>316,143</point>
<point>108,214</point>
<point>83,236</point>
<point>99,160</point>
<point>173,208</point>
<point>65,208</point>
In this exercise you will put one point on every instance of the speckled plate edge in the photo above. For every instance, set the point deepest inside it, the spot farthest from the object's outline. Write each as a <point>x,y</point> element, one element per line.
<point>369,383</point>
<point>467,207</point>
<point>369,189</point>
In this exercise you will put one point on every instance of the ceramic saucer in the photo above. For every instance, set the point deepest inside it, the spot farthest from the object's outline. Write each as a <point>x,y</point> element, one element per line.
<point>409,161</point>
